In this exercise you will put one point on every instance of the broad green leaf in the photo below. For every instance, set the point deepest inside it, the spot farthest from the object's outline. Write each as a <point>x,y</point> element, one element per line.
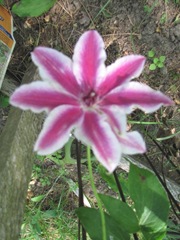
<point>150,201</point>
<point>162,59</point>
<point>121,213</point>
<point>151,54</point>
<point>91,220</point>
<point>152,67</point>
<point>32,8</point>
<point>38,198</point>
<point>1,1</point>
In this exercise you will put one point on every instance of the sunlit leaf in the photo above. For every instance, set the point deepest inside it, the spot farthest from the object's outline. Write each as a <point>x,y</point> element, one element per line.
<point>38,198</point>
<point>155,60</point>
<point>162,58</point>
<point>150,201</point>
<point>32,8</point>
<point>160,65</point>
<point>151,54</point>
<point>121,213</point>
<point>152,67</point>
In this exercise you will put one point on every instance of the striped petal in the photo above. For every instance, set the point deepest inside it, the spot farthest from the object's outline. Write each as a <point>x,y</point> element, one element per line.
<point>88,60</point>
<point>97,133</point>
<point>39,96</point>
<point>137,95</point>
<point>116,118</point>
<point>57,128</point>
<point>132,143</point>
<point>55,68</point>
<point>121,71</point>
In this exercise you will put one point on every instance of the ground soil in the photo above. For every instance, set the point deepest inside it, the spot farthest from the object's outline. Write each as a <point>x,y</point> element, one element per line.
<point>127,27</point>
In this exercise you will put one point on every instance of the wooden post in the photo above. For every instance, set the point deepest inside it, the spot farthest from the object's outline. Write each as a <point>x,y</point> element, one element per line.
<point>16,161</point>
<point>9,85</point>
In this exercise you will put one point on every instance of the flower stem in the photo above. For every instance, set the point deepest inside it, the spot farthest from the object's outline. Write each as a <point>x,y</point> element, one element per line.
<point>96,194</point>
<point>122,196</point>
<point>163,184</point>
<point>81,203</point>
<point>119,186</point>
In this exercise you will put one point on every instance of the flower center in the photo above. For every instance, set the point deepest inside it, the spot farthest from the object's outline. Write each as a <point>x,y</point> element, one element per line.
<point>90,99</point>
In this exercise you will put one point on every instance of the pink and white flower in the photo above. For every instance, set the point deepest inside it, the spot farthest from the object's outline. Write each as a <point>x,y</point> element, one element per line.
<point>84,96</point>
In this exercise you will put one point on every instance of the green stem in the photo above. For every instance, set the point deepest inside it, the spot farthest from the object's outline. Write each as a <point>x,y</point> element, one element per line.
<point>67,158</point>
<point>96,194</point>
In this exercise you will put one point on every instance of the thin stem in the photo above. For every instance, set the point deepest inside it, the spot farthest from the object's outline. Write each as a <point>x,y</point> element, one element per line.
<point>78,152</point>
<point>135,236</point>
<point>79,230</point>
<point>81,203</point>
<point>96,194</point>
<point>164,153</point>
<point>119,186</point>
<point>164,185</point>
<point>171,197</point>
<point>122,196</point>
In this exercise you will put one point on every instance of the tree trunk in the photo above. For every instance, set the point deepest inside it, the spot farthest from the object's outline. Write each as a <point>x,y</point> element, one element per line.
<point>16,161</point>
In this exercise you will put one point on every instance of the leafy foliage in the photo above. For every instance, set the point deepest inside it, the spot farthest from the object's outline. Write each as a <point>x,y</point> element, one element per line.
<point>4,100</point>
<point>144,217</point>
<point>121,213</point>
<point>148,195</point>
<point>92,223</point>
<point>32,8</point>
<point>156,62</point>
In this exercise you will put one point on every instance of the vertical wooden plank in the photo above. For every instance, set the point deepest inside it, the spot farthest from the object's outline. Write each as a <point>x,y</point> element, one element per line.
<point>16,161</point>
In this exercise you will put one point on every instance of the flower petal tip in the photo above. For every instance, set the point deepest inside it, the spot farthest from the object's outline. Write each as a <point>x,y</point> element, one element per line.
<point>111,166</point>
<point>111,169</point>
<point>169,102</point>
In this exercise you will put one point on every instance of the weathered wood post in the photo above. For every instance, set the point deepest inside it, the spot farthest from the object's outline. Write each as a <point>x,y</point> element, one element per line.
<point>16,160</point>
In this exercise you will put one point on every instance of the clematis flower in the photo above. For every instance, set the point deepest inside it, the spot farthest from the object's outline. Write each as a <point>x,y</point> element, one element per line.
<point>87,98</point>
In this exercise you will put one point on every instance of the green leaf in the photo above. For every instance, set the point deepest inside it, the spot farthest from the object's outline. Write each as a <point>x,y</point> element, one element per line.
<point>151,54</point>
<point>91,220</point>
<point>150,201</point>
<point>4,101</point>
<point>32,8</point>
<point>163,18</point>
<point>1,1</point>
<point>160,65</point>
<point>147,9</point>
<point>152,67</point>
<point>162,58</point>
<point>155,60</point>
<point>50,214</point>
<point>38,198</point>
<point>121,213</point>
